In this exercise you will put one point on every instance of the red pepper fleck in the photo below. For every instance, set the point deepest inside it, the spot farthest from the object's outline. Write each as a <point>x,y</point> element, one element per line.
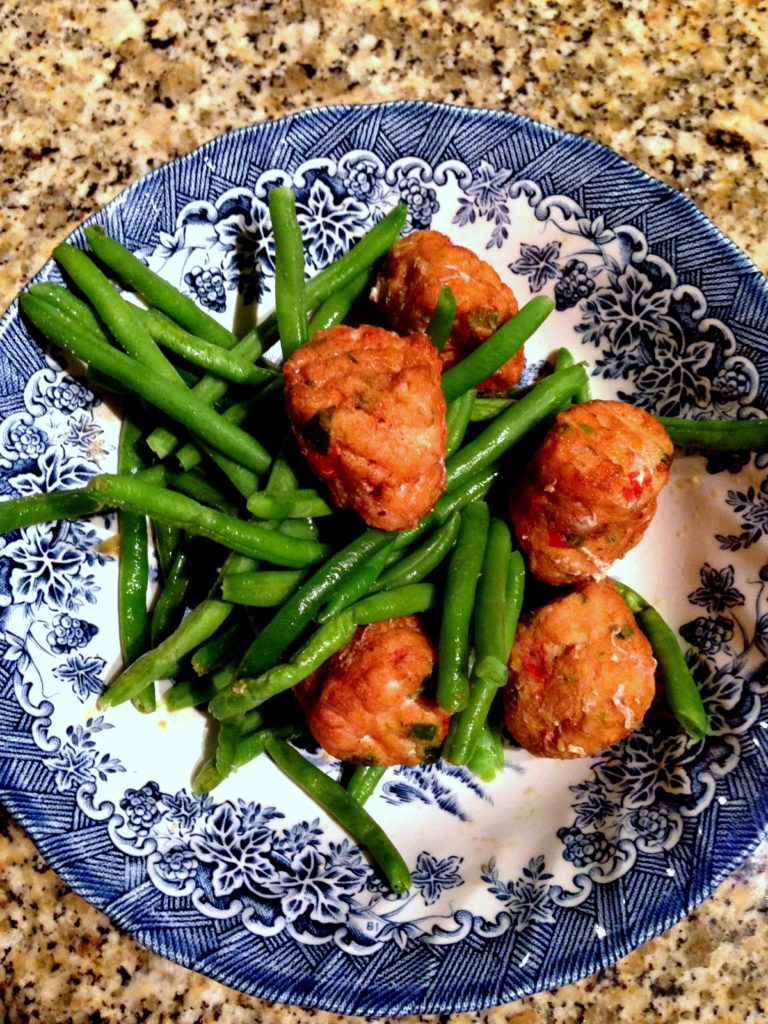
<point>634,490</point>
<point>555,538</point>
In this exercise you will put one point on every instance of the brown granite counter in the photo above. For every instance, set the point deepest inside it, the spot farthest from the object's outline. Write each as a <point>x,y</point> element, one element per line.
<point>93,95</point>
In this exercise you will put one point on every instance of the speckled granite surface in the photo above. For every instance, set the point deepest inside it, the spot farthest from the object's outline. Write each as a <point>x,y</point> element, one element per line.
<point>92,95</point>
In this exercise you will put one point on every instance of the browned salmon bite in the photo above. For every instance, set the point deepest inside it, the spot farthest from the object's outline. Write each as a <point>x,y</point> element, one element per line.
<point>590,491</point>
<point>366,705</point>
<point>406,290</point>
<point>581,674</point>
<point>369,414</point>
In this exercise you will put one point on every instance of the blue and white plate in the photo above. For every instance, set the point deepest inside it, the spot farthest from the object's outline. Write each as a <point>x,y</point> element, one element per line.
<point>555,869</point>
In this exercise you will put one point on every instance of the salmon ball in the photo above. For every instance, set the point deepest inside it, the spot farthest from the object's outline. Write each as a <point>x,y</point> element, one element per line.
<point>589,493</point>
<point>406,290</point>
<point>368,411</point>
<point>581,674</point>
<point>366,704</point>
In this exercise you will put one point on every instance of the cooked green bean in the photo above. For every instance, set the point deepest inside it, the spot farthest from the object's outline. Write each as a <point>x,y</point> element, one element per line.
<point>199,487</point>
<point>163,661</point>
<point>121,317</point>
<point>717,435</point>
<point>458,602</point>
<point>243,536</point>
<point>515,594</point>
<point>299,504</point>
<point>365,778</point>
<point>489,356</point>
<point>204,354</point>
<point>358,583</point>
<point>32,509</point>
<point>217,652</point>
<point>167,540</point>
<point>206,776</point>
<point>209,390</point>
<point>169,606</point>
<point>261,589</point>
<point>70,305</point>
<point>535,406</point>
<point>564,359</point>
<point>172,397</point>
<point>489,408</point>
<point>192,693</point>
<point>133,567</point>
<point>333,310</point>
<point>458,418</point>
<point>441,322</point>
<point>251,692</point>
<point>424,560</point>
<point>231,734</point>
<point>491,628</point>
<point>358,259</point>
<point>680,687</point>
<point>299,610</point>
<point>290,298</point>
<point>155,290</point>
<point>335,800</point>
<point>488,757</point>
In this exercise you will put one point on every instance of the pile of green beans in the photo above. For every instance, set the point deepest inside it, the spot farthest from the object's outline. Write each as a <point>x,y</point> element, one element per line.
<point>283,592</point>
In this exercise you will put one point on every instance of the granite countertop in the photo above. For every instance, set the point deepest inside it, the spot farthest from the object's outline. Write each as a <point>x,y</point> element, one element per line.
<point>92,96</point>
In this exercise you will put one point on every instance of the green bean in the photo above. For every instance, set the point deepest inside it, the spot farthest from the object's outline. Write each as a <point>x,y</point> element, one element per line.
<point>163,661</point>
<point>192,693</point>
<point>247,538</point>
<point>290,299</point>
<point>299,504</point>
<point>218,651</point>
<point>261,589</point>
<point>250,692</point>
<point>133,567</point>
<point>230,736</point>
<point>155,290</point>
<point>680,687</point>
<point>543,400</point>
<point>252,744</point>
<point>335,800</point>
<point>333,310</point>
<point>489,356</point>
<point>358,582</point>
<point>424,560</point>
<point>564,359</point>
<point>488,757</point>
<point>196,485</point>
<point>204,354</point>
<point>489,408</point>
<point>441,322</point>
<point>491,630</point>
<point>458,602</point>
<point>172,397</point>
<point>717,435</point>
<point>170,603</point>
<point>364,780</point>
<point>167,540</point>
<point>206,776</point>
<point>458,418</point>
<point>120,316</point>
<point>208,390</point>
<point>514,595</point>
<point>32,509</point>
<point>359,258</point>
<point>70,305</point>
<point>298,611</point>
<point>391,604</point>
